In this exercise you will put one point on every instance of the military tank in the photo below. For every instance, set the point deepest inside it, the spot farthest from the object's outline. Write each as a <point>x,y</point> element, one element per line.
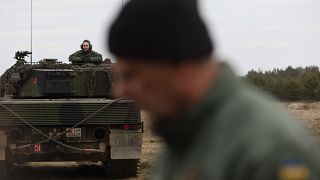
<point>53,111</point>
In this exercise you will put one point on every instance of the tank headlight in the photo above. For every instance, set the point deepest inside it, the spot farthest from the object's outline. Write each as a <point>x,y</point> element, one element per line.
<point>100,133</point>
<point>15,134</point>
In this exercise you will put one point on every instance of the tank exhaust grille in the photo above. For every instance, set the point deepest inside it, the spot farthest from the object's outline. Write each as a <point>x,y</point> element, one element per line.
<point>69,113</point>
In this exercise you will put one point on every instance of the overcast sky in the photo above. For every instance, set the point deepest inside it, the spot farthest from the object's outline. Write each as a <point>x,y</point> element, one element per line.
<point>249,34</point>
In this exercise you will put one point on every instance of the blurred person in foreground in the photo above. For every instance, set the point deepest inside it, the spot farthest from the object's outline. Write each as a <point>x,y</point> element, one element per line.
<point>215,126</point>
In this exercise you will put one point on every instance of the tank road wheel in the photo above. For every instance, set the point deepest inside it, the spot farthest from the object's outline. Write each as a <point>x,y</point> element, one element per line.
<point>3,160</point>
<point>3,170</point>
<point>122,168</point>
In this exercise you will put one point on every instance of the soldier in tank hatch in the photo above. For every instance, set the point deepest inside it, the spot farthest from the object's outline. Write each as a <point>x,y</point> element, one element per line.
<point>215,126</point>
<point>85,55</point>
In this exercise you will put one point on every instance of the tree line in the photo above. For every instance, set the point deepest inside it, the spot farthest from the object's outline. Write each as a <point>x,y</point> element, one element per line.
<point>290,84</point>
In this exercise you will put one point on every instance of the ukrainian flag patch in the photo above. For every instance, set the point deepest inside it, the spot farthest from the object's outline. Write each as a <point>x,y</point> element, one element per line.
<point>293,170</point>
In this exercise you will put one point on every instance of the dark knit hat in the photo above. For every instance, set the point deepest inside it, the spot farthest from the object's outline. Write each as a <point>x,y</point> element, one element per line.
<point>160,29</point>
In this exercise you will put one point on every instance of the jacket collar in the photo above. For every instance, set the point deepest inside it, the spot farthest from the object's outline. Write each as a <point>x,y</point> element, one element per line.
<point>180,132</point>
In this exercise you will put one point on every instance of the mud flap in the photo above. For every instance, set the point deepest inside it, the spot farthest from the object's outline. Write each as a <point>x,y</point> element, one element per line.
<point>125,145</point>
<point>3,145</point>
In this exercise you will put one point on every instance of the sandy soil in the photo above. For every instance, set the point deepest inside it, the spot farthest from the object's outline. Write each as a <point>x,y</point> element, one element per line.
<point>150,148</point>
<point>308,112</point>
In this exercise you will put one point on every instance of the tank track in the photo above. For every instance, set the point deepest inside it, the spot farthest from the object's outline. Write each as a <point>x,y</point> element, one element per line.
<point>3,170</point>
<point>124,168</point>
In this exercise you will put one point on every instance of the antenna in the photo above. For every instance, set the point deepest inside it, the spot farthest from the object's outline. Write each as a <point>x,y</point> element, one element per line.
<point>31,33</point>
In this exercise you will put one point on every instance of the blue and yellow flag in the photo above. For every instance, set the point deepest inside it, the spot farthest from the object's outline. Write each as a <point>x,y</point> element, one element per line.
<point>293,170</point>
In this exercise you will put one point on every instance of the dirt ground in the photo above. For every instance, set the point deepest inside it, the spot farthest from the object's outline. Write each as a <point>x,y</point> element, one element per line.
<point>308,112</point>
<point>150,148</point>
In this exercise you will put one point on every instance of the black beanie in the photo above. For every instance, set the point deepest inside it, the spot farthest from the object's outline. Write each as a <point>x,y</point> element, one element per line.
<point>169,30</point>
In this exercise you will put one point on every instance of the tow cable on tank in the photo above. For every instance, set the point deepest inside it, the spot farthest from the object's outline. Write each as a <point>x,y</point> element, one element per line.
<point>62,133</point>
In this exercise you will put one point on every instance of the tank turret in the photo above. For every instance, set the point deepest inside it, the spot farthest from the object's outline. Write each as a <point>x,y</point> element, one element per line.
<point>50,78</point>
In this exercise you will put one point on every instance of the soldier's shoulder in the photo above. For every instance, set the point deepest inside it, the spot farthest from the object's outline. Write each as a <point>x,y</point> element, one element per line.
<point>94,52</point>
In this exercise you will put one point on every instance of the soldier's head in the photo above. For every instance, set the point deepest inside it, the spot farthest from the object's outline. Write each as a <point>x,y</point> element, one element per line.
<point>86,45</point>
<point>164,57</point>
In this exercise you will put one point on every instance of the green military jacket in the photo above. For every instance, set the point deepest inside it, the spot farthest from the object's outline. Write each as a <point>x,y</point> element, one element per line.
<point>235,133</point>
<point>91,57</point>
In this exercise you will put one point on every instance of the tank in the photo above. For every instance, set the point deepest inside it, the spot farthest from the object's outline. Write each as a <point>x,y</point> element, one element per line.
<point>53,111</point>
